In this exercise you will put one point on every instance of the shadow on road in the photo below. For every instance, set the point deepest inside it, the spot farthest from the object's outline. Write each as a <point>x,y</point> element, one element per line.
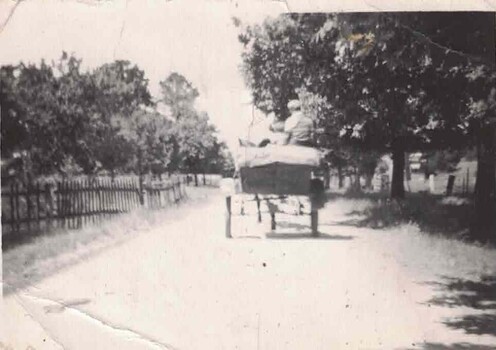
<point>357,222</point>
<point>307,235</point>
<point>292,230</point>
<point>478,295</point>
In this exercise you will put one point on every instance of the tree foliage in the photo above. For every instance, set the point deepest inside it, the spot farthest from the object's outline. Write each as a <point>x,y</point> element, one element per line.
<point>59,118</point>
<point>178,94</point>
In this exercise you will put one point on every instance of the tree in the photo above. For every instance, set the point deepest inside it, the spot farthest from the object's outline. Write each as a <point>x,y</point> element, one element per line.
<point>195,136</point>
<point>119,92</point>
<point>411,91</point>
<point>195,147</point>
<point>58,115</point>
<point>13,128</point>
<point>482,123</point>
<point>276,58</point>
<point>178,94</point>
<point>44,108</point>
<point>375,73</point>
<point>400,81</point>
<point>150,135</point>
<point>218,160</point>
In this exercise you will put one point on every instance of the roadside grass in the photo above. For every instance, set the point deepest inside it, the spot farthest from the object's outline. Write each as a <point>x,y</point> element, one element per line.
<point>427,236</point>
<point>25,264</point>
<point>434,214</point>
<point>439,255</point>
<point>428,231</point>
<point>460,276</point>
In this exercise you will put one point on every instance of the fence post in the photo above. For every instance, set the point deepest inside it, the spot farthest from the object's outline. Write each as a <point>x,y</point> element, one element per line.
<point>174,194</point>
<point>80,198</point>
<point>106,198</point>
<point>49,206</point>
<point>177,184</point>
<point>89,201</point>
<point>98,199</point>
<point>28,204</point>
<point>58,212</point>
<point>127,205</point>
<point>314,217</point>
<point>141,190</point>
<point>259,213</point>
<point>70,203</point>
<point>272,220</point>
<point>38,223</point>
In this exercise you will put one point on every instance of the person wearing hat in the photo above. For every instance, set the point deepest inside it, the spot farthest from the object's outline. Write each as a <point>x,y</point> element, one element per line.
<point>298,127</point>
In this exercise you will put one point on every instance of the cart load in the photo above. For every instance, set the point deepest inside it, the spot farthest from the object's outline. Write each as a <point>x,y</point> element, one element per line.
<point>277,169</point>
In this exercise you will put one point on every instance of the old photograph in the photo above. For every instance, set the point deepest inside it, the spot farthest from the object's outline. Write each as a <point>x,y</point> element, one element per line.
<point>180,174</point>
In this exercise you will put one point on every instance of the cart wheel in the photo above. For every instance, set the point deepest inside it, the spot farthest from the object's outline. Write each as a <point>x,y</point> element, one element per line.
<point>314,217</point>
<point>314,222</point>
<point>228,217</point>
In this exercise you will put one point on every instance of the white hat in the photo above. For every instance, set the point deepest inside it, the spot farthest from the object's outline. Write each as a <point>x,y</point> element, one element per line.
<point>294,104</point>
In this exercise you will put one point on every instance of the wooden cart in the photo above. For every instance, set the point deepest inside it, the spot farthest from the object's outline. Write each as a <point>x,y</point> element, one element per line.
<point>277,180</point>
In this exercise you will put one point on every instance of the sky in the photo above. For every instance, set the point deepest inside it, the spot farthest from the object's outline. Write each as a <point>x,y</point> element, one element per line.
<point>194,38</point>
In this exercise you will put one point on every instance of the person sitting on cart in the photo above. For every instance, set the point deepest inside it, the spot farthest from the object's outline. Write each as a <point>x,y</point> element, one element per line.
<point>299,128</point>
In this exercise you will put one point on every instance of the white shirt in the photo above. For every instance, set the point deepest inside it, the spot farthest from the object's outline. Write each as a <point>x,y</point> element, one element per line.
<point>300,127</point>
<point>292,121</point>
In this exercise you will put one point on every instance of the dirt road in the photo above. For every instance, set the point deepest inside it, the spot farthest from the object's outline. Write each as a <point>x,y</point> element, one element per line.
<point>183,285</point>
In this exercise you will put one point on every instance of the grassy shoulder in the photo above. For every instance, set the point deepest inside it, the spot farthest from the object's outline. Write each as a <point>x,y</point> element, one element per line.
<point>430,232</point>
<point>433,214</point>
<point>427,237</point>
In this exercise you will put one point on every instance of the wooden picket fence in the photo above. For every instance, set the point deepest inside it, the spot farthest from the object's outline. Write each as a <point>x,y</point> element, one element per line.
<point>212,180</point>
<point>73,204</point>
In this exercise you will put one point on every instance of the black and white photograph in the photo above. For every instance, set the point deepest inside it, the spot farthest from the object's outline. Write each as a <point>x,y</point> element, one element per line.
<point>251,175</point>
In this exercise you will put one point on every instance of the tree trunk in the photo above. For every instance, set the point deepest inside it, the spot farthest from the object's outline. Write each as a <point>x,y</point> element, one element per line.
<point>368,181</point>
<point>357,186</point>
<point>397,185</point>
<point>484,221</point>
<point>340,176</point>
